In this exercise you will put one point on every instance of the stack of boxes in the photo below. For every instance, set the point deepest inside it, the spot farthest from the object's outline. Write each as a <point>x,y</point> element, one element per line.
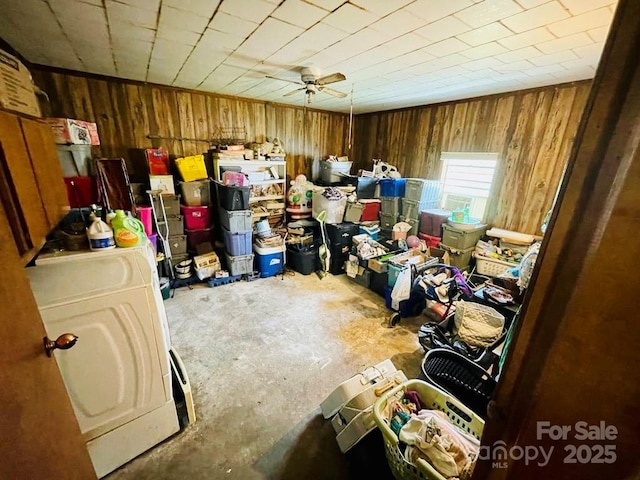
<point>236,222</point>
<point>391,192</point>
<point>419,195</point>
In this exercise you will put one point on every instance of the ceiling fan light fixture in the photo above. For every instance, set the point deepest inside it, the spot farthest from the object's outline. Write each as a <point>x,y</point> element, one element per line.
<point>310,94</point>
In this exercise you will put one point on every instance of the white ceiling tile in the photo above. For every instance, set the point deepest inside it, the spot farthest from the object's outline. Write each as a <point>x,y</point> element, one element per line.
<point>486,50</point>
<point>299,13</point>
<point>545,70</point>
<point>153,5</point>
<point>398,23</point>
<point>553,58</point>
<point>520,54</point>
<point>239,27</point>
<point>440,63</point>
<point>599,34</point>
<point>221,76</point>
<point>446,47</point>
<point>252,10</point>
<point>172,51</point>
<point>380,7</point>
<point>513,67</point>
<point>329,5</point>
<point>583,73</point>
<point>214,39</point>
<point>407,43</point>
<point>525,39</point>
<point>350,18</point>
<point>589,50</point>
<point>576,7</point>
<point>536,17</point>
<point>482,63</point>
<point>414,58</point>
<point>486,34</point>
<point>177,35</point>
<point>581,23</point>
<point>565,43</point>
<point>132,48</point>
<point>487,12</point>
<point>270,37</point>
<point>174,18</point>
<point>479,74</point>
<point>27,8</point>
<point>119,12</point>
<point>530,3</point>
<point>125,32</point>
<point>309,43</point>
<point>432,10</point>
<point>441,29</point>
<point>204,8</point>
<point>75,10</point>
<point>591,61</point>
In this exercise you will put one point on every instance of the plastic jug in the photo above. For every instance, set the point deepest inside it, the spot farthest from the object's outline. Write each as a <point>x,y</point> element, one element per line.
<point>128,231</point>
<point>100,235</point>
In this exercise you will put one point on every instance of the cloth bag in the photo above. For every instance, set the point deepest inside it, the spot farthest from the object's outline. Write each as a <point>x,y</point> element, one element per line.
<point>477,325</point>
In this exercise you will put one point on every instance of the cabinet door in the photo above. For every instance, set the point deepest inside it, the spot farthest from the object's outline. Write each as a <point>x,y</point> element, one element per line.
<point>115,372</point>
<point>46,167</point>
<point>29,223</point>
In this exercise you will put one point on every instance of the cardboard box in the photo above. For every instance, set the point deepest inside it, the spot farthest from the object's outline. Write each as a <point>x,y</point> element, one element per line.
<point>16,86</point>
<point>76,132</point>
<point>164,183</point>
<point>378,266</point>
<point>206,260</point>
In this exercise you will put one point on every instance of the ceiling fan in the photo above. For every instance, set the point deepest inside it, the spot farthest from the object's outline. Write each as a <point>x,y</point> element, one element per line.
<point>312,83</point>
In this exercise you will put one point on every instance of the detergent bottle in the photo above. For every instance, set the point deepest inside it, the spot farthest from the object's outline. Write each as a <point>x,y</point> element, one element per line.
<point>128,231</point>
<point>100,235</point>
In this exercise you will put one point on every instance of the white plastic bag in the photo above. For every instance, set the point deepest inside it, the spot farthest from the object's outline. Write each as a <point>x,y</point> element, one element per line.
<point>402,288</point>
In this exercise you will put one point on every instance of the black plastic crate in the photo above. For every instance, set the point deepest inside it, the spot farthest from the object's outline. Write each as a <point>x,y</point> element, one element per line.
<point>232,198</point>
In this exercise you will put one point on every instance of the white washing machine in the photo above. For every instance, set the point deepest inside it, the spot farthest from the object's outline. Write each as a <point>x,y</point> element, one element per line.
<point>118,375</point>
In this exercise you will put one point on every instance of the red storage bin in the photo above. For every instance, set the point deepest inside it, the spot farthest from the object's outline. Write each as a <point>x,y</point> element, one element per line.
<point>196,218</point>
<point>430,240</point>
<point>371,212</point>
<point>81,191</point>
<point>196,237</point>
<point>431,221</point>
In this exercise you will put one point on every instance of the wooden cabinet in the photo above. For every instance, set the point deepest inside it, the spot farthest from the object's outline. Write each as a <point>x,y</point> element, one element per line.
<point>32,189</point>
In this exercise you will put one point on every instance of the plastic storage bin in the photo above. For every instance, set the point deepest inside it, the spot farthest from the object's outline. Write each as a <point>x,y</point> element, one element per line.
<point>196,193</point>
<point>269,261</point>
<point>330,171</point>
<point>176,225</point>
<point>431,221</point>
<point>458,258</point>
<point>391,205</point>
<point>334,208</point>
<point>231,197</point>
<point>196,218</point>
<point>365,186</point>
<point>178,244</point>
<point>235,220</point>
<point>412,209</point>
<point>420,190</point>
<point>462,239</point>
<point>363,279</point>
<point>303,262</point>
<point>371,210</point>
<point>414,222</point>
<point>392,187</point>
<point>171,205</point>
<point>240,265</point>
<point>387,221</point>
<point>432,398</point>
<point>430,240</point>
<point>192,168</point>
<point>237,243</point>
<point>197,237</point>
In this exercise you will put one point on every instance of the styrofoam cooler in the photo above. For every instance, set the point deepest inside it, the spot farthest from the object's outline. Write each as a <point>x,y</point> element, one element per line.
<point>269,260</point>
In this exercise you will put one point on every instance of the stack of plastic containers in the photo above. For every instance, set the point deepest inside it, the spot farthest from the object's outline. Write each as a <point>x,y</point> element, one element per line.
<point>391,192</point>
<point>196,211</point>
<point>235,220</point>
<point>419,195</point>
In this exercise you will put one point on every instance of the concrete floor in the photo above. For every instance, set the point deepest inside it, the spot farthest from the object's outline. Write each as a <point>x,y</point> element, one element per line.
<point>261,356</point>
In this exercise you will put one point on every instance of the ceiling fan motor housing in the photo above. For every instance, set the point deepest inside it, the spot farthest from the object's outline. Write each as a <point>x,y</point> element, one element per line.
<point>309,74</point>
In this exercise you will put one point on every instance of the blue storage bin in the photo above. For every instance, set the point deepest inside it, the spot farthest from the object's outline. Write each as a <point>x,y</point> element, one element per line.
<point>237,243</point>
<point>269,261</point>
<point>392,187</point>
<point>412,307</point>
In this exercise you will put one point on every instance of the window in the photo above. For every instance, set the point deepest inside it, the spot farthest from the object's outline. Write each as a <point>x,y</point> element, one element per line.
<point>466,181</point>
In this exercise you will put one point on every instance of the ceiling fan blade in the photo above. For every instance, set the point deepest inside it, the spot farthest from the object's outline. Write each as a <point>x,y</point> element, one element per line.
<point>285,80</point>
<point>294,92</point>
<point>332,91</point>
<point>333,78</point>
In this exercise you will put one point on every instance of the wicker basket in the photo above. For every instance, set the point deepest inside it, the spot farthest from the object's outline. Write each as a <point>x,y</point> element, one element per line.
<point>471,321</point>
<point>491,266</point>
<point>433,398</point>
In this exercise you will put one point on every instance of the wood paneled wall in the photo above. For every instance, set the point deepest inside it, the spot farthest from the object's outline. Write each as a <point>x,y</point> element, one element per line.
<point>128,112</point>
<point>532,131</point>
